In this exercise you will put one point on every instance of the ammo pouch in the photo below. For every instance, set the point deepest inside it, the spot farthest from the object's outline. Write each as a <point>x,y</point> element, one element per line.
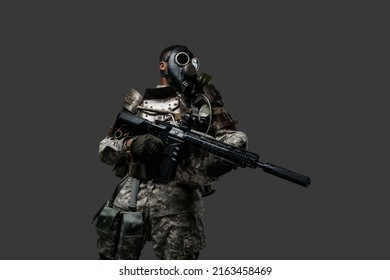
<point>115,227</point>
<point>133,224</point>
<point>108,225</point>
<point>108,228</point>
<point>106,219</point>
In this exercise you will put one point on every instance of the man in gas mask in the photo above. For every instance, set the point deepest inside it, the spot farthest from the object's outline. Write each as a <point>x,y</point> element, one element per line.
<point>143,208</point>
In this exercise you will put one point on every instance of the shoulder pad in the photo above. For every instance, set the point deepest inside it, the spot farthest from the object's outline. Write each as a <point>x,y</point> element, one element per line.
<point>132,100</point>
<point>212,94</point>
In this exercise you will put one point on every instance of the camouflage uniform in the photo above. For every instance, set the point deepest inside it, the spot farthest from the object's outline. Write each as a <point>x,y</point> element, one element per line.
<point>172,212</point>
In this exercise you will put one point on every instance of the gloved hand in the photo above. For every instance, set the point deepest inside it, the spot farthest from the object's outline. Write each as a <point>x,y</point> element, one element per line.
<point>147,148</point>
<point>216,167</point>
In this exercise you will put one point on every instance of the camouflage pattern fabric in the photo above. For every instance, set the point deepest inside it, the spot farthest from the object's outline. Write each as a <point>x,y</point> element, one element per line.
<point>173,212</point>
<point>177,237</point>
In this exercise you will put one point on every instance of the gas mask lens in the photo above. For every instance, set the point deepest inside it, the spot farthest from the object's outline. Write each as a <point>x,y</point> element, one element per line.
<point>183,59</point>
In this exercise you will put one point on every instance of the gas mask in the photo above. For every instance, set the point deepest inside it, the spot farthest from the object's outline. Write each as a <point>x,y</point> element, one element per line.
<point>182,71</point>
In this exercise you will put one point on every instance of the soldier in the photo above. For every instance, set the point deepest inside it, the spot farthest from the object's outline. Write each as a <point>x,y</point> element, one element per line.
<point>143,208</point>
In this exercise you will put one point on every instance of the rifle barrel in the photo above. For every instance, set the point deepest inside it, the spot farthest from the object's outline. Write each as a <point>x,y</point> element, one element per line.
<point>286,174</point>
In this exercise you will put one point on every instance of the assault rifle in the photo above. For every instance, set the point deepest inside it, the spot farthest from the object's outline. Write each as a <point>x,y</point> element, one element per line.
<point>175,137</point>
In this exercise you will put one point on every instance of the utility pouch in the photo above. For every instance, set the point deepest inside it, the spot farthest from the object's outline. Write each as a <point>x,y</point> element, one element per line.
<point>133,224</point>
<point>108,229</point>
<point>108,225</point>
<point>106,219</point>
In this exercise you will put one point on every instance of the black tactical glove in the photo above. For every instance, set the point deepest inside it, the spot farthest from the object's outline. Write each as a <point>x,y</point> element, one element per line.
<point>216,167</point>
<point>147,148</point>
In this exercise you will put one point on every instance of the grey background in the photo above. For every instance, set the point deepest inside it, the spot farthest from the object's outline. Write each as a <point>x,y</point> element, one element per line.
<point>307,82</point>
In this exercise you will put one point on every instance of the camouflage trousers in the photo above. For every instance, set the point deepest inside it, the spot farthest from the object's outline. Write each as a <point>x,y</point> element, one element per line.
<point>174,237</point>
